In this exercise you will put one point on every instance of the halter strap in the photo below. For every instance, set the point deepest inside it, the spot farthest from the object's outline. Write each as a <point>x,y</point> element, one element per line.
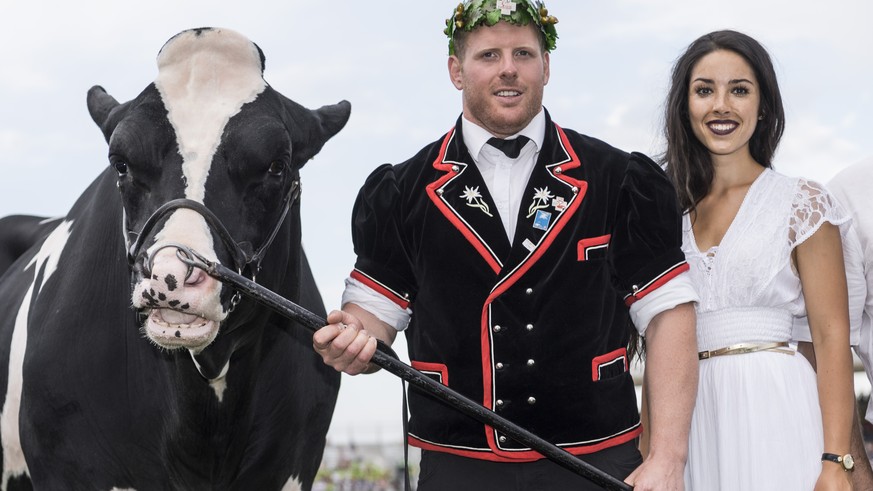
<point>241,252</point>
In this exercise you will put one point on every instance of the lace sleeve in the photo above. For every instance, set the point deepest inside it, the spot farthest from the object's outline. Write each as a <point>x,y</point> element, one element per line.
<point>811,207</point>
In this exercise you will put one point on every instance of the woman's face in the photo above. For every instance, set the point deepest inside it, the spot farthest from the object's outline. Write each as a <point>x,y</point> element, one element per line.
<point>723,103</point>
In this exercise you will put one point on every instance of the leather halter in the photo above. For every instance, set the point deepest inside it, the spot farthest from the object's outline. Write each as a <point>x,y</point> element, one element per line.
<point>241,252</point>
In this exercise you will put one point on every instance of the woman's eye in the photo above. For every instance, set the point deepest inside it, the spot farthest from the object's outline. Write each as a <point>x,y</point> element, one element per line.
<point>276,168</point>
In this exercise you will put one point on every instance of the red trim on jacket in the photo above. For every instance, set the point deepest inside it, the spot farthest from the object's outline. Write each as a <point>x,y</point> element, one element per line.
<point>383,290</point>
<point>585,245</point>
<point>516,274</point>
<point>601,360</point>
<point>438,368</point>
<point>525,455</point>
<point>656,283</point>
<point>446,210</point>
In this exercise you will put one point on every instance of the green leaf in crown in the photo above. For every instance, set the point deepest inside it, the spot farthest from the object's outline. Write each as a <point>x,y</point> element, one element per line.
<point>473,13</point>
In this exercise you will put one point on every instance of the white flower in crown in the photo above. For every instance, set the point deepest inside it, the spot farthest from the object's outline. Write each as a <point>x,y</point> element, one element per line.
<point>506,7</point>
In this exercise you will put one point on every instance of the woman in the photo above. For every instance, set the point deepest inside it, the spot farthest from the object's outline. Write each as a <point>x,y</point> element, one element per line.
<point>763,248</point>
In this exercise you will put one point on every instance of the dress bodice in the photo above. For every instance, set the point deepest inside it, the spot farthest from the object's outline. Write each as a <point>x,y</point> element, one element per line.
<point>749,277</point>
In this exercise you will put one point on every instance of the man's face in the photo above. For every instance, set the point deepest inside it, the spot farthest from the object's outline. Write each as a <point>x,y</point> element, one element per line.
<point>501,72</point>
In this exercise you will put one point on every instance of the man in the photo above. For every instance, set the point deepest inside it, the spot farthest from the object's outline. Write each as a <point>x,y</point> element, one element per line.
<point>512,274</point>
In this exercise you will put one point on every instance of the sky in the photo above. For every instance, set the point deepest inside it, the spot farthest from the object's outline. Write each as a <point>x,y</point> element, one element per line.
<point>609,76</point>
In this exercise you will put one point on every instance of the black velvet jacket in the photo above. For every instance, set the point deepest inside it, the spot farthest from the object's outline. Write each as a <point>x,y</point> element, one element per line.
<point>536,330</point>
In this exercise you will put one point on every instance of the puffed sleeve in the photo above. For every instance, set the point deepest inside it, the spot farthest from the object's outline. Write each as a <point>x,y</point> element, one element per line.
<point>382,261</point>
<point>812,206</point>
<point>646,252</point>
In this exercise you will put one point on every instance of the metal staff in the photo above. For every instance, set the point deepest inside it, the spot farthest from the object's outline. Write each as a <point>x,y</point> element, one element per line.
<point>390,363</point>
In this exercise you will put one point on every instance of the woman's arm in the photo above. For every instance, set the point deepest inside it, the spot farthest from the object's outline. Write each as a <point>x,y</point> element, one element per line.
<point>819,262</point>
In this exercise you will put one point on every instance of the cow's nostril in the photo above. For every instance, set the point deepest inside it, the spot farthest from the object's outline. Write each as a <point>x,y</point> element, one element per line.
<point>195,278</point>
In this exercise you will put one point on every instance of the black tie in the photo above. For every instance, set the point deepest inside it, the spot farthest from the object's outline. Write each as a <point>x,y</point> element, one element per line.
<point>510,147</point>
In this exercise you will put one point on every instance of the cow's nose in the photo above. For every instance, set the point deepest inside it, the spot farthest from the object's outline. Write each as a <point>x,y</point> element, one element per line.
<point>195,276</point>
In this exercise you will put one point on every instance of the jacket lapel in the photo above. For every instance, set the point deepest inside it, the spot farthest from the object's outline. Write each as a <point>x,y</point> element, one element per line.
<point>550,199</point>
<point>461,195</point>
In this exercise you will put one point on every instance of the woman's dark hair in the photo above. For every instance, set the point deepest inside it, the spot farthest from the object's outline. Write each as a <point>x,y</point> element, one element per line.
<point>689,164</point>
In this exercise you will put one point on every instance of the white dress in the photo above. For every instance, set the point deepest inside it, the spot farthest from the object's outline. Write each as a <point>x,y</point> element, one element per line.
<point>757,422</point>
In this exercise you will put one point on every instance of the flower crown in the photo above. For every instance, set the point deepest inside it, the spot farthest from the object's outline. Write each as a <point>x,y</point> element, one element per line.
<point>473,13</point>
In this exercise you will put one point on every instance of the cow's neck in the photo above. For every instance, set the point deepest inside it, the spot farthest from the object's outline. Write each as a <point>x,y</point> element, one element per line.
<point>200,415</point>
<point>215,388</point>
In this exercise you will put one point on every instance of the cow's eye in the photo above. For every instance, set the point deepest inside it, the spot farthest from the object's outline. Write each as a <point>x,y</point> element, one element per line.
<point>276,168</point>
<point>120,167</point>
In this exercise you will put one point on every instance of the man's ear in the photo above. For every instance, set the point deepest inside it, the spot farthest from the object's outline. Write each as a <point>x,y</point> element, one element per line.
<point>455,72</point>
<point>546,68</point>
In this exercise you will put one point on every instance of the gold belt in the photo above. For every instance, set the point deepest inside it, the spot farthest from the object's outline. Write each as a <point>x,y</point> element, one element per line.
<point>737,349</point>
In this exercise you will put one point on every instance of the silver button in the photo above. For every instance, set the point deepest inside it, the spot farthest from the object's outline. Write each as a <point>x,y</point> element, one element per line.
<point>529,327</point>
<point>558,170</point>
<point>529,291</point>
<point>575,190</point>
<point>439,192</point>
<point>531,363</point>
<point>499,366</point>
<point>455,168</point>
<point>502,439</point>
<point>499,402</point>
<point>497,328</point>
<point>531,400</point>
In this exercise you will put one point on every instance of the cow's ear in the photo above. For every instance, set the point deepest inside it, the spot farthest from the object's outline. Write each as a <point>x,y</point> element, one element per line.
<point>315,127</point>
<point>100,105</point>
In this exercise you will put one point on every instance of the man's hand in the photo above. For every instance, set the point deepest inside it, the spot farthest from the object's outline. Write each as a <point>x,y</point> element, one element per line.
<point>348,341</point>
<point>658,474</point>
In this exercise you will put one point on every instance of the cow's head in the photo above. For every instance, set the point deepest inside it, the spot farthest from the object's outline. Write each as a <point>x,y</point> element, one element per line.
<point>209,130</point>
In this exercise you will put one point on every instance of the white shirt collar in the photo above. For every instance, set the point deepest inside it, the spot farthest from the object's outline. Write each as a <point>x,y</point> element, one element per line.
<point>476,137</point>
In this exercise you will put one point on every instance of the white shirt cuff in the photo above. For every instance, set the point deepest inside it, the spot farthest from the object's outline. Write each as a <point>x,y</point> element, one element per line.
<point>370,300</point>
<point>675,292</point>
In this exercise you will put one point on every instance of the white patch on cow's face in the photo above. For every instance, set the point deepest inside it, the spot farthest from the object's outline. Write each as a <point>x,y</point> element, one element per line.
<point>204,78</point>
<point>49,254</point>
<point>292,485</point>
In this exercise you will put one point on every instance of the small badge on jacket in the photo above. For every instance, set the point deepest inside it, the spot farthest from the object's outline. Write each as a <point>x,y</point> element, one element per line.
<point>542,219</point>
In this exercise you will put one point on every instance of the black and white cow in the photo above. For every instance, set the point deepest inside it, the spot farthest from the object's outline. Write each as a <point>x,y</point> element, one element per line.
<point>216,397</point>
<point>18,233</point>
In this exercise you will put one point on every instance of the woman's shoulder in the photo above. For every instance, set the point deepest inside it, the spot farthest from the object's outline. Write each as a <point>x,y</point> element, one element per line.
<point>796,182</point>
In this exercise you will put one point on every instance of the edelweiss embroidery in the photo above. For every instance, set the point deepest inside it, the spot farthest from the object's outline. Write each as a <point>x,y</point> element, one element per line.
<point>474,199</point>
<point>540,200</point>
